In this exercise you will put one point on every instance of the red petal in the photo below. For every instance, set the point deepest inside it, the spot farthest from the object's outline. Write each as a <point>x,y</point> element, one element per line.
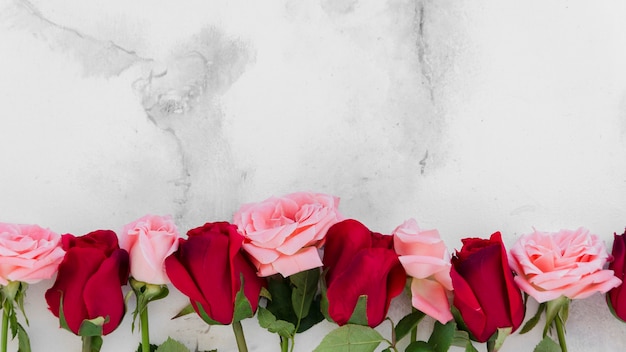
<point>75,270</point>
<point>180,277</point>
<point>343,240</point>
<point>375,272</point>
<point>103,293</point>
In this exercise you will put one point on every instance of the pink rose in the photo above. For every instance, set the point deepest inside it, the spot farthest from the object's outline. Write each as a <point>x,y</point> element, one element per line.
<point>28,253</point>
<point>282,235</point>
<point>425,257</point>
<point>149,240</point>
<point>565,263</point>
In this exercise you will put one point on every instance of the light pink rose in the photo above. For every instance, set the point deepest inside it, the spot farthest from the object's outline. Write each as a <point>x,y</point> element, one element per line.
<point>28,253</point>
<point>282,235</point>
<point>565,263</point>
<point>425,257</point>
<point>149,240</point>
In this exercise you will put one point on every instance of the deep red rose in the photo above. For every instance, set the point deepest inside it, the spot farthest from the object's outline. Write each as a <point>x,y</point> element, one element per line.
<point>360,262</point>
<point>207,268</point>
<point>89,280</point>
<point>616,297</point>
<point>484,290</point>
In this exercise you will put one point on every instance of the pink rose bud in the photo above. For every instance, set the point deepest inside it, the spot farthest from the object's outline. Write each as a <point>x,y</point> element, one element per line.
<point>149,240</point>
<point>425,257</point>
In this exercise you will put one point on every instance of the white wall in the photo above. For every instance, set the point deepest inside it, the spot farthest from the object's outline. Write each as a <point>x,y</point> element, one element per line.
<point>471,116</point>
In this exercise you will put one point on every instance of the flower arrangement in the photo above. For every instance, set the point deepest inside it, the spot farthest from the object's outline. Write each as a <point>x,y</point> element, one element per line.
<point>293,261</point>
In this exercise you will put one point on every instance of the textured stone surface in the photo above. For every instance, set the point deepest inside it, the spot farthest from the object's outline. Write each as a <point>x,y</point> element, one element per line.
<point>471,117</point>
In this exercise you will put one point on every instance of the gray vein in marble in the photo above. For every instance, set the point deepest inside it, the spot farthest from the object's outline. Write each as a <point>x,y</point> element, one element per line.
<point>180,100</point>
<point>422,50</point>
<point>98,57</point>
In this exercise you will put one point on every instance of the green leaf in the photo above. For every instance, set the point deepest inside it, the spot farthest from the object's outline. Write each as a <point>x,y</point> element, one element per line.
<point>280,305</point>
<point>171,345</point>
<point>315,316</point>
<point>92,327</point>
<point>203,314</point>
<point>304,289</point>
<point>497,340</point>
<point>408,323</point>
<point>23,340</point>
<point>442,336</point>
<point>187,310</point>
<point>268,321</point>
<point>530,324</point>
<point>359,315</point>
<point>350,338</point>
<point>547,345</point>
<point>243,308</point>
<point>460,323</point>
<point>62,321</point>
<point>462,339</point>
<point>419,346</point>
<point>265,293</point>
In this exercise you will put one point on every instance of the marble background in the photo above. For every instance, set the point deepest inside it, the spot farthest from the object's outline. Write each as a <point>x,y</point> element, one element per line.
<point>470,116</point>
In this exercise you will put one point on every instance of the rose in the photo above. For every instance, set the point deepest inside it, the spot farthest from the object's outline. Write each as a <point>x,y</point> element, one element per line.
<point>616,298</point>
<point>209,267</point>
<point>425,257</point>
<point>28,253</point>
<point>565,263</point>
<point>360,262</point>
<point>149,240</point>
<point>484,290</point>
<point>89,281</point>
<point>282,234</point>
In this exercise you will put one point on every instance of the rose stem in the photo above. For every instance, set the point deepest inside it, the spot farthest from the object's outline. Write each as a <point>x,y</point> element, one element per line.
<point>5,328</point>
<point>241,340</point>
<point>87,340</point>
<point>284,344</point>
<point>561,333</point>
<point>145,332</point>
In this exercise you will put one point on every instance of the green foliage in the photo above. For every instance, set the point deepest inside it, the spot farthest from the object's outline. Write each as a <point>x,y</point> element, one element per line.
<point>243,308</point>
<point>442,336</point>
<point>144,294</point>
<point>462,339</point>
<point>23,340</point>
<point>350,338</point>
<point>419,346</point>
<point>408,323</point>
<point>268,321</point>
<point>359,315</point>
<point>187,310</point>
<point>92,327</point>
<point>171,345</point>
<point>530,324</point>
<point>153,347</point>
<point>497,340</point>
<point>554,308</point>
<point>304,289</point>
<point>547,345</point>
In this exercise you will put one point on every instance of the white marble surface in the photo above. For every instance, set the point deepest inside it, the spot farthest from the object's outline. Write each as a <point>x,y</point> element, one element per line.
<point>471,116</point>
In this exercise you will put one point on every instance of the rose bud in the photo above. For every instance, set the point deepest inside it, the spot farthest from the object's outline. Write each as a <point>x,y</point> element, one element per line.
<point>616,298</point>
<point>149,240</point>
<point>89,281</point>
<point>209,267</point>
<point>360,263</point>
<point>484,290</point>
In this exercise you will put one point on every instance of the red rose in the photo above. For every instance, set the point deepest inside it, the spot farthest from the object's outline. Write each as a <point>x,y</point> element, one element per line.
<point>484,290</point>
<point>360,262</point>
<point>616,298</point>
<point>207,268</point>
<point>89,280</point>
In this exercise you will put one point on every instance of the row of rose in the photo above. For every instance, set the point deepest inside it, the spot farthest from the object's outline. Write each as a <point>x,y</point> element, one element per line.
<point>282,237</point>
